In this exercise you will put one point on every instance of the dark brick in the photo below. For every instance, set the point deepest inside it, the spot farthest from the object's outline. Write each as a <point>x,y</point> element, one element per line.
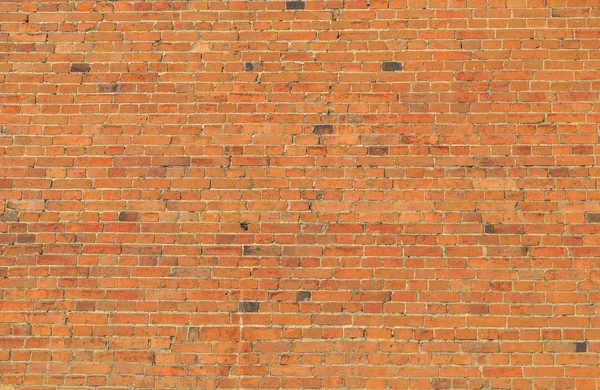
<point>323,129</point>
<point>377,150</point>
<point>248,67</point>
<point>581,347</point>
<point>303,296</point>
<point>249,307</point>
<point>294,5</point>
<point>80,68</point>
<point>129,216</point>
<point>108,88</point>
<point>489,228</point>
<point>391,66</point>
<point>592,217</point>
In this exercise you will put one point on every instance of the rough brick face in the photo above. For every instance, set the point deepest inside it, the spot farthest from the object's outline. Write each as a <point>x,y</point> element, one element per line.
<point>379,194</point>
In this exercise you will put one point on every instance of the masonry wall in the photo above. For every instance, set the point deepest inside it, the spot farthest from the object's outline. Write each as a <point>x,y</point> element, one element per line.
<point>342,194</point>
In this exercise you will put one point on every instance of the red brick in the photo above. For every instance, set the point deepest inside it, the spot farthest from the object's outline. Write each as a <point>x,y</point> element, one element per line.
<point>299,194</point>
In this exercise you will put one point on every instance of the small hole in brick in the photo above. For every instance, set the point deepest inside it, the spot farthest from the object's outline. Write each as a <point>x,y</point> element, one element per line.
<point>294,5</point>
<point>248,67</point>
<point>391,66</point>
<point>80,68</point>
<point>581,347</point>
<point>244,226</point>
<point>489,228</point>
<point>249,307</point>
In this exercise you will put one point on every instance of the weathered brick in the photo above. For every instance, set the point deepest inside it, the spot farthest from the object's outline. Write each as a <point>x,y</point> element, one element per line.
<point>9,215</point>
<point>377,150</point>
<point>592,217</point>
<point>108,88</point>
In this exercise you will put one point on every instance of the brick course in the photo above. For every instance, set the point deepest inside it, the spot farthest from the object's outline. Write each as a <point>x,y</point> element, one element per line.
<point>379,194</point>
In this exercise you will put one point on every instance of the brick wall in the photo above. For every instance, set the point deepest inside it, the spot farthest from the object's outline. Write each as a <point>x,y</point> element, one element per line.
<point>341,194</point>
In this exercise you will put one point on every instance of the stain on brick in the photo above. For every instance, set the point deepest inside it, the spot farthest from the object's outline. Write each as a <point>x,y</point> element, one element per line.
<point>249,307</point>
<point>259,250</point>
<point>581,347</point>
<point>592,217</point>
<point>253,67</point>
<point>391,66</point>
<point>244,226</point>
<point>303,296</point>
<point>108,88</point>
<point>377,150</point>
<point>489,228</point>
<point>323,129</point>
<point>80,68</point>
<point>129,216</point>
<point>290,5</point>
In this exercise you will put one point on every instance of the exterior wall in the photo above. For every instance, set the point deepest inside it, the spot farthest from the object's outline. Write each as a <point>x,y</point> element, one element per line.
<point>380,194</point>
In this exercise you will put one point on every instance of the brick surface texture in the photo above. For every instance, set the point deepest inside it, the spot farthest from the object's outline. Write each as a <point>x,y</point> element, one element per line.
<point>340,194</point>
